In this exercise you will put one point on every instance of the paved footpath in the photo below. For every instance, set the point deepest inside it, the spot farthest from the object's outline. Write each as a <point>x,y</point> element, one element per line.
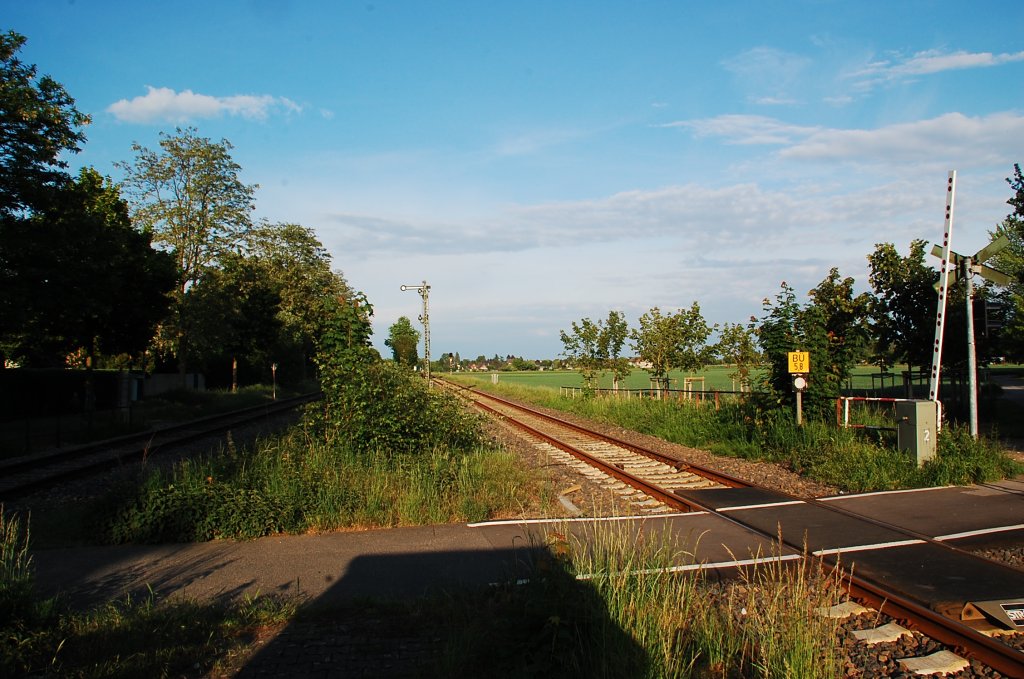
<point>333,567</point>
<point>336,568</point>
<point>342,568</point>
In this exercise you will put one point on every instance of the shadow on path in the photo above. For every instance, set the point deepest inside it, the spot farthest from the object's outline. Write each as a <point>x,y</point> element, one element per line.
<point>494,612</point>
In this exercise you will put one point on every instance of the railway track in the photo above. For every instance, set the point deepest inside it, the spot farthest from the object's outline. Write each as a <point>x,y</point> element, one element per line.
<point>912,580</point>
<point>654,479</point>
<point>28,474</point>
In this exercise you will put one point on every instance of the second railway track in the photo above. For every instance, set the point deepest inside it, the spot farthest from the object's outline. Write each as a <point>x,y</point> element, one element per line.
<point>33,473</point>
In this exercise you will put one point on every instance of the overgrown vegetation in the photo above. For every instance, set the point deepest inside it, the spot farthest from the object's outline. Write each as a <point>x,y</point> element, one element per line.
<point>763,624</point>
<point>382,449</point>
<point>610,604</point>
<point>296,483</point>
<point>45,637</point>
<point>844,458</point>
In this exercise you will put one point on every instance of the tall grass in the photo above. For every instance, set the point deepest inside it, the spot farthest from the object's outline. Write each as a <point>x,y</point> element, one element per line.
<point>762,624</point>
<point>848,459</point>
<point>607,603</point>
<point>298,482</point>
<point>15,565</point>
<point>43,637</point>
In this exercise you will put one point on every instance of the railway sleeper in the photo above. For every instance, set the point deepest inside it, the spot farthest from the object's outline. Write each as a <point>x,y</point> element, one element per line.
<point>890,633</point>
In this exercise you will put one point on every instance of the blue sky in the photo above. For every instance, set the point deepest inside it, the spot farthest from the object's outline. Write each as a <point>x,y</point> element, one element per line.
<point>541,162</point>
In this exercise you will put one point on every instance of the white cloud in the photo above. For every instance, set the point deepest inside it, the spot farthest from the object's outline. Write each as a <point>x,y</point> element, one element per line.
<point>690,219</point>
<point>164,104</point>
<point>979,140</point>
<point>769,75</point>
<point>935,62</point>
<point>969,140</point>
<point>839,100</point>
<point>535,141</point>
<point>724,246</point>
<point>746,129</point>
<point>926,63</point>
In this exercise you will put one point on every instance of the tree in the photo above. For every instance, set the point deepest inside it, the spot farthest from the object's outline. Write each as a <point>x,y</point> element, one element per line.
<point>737,346</point>
<point>613,337</point>
<point>404,342</point>
<point>38,122</point>
<point>673,341</point>
<point>844,317</point>
<point>233,316</point>
<point>1017,200</point>
<point>190,197</point>
<point>903,308</point>
<point>298,268</point>
<point>832,327</point>
<point>1011,260</point>
<point>85,277</point>
<point>583,348</point>
<point>521,364</point>
<point>787,326</point>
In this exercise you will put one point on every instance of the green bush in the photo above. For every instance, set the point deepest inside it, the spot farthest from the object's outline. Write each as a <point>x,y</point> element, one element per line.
<point>387,407</point>
<point>194,513</point>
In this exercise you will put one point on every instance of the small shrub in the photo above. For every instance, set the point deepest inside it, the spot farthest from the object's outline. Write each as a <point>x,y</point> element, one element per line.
<point>962,459</point>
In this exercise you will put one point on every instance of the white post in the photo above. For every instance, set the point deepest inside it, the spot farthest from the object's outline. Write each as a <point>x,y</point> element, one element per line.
<point>940,313</point>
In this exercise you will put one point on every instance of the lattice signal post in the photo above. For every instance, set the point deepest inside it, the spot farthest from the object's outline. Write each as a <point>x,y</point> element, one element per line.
<point>424,291</point>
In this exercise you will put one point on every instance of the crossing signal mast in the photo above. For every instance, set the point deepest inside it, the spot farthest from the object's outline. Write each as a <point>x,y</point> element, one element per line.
<point>954,268</point>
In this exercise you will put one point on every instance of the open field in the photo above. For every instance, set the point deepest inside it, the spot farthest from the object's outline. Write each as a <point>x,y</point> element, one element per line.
<point>865,378</point>
<point>715,377</point>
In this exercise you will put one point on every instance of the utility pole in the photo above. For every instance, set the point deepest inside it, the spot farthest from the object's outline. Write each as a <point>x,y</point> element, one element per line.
<point>424,291</point>
<point>972,360</point>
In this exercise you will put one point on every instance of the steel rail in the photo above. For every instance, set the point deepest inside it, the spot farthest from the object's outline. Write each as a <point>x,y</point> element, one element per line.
<point>31,461</point>
<point>667,497</point>
<point>710,474</point>
<point>966,640</point>
<point>916,615</point>
<point>737,483</point>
